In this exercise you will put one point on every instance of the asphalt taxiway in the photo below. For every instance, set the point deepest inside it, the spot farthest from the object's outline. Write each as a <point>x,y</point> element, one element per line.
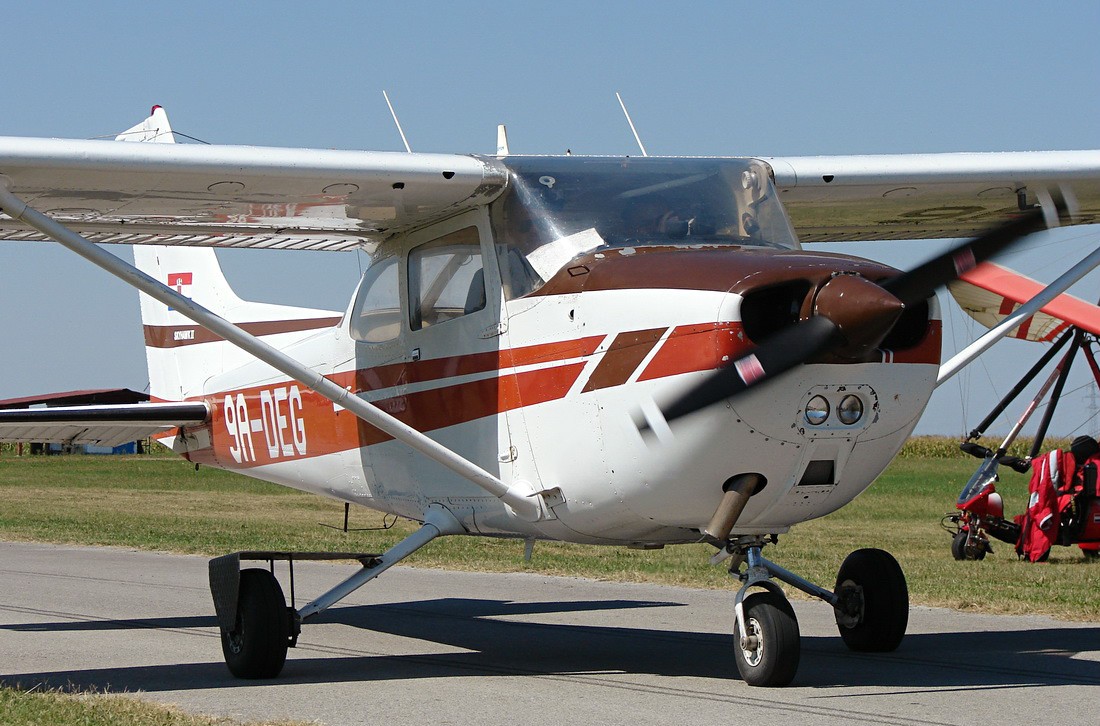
<point>427,646</point>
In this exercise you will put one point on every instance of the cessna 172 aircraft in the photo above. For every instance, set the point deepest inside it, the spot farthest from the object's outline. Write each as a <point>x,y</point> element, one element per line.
<point>542,347</point>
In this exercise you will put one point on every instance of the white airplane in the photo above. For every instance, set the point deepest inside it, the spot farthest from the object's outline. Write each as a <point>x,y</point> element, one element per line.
<point>542,347</point>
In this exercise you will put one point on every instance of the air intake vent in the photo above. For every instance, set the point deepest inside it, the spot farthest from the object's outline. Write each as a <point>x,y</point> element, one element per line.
<point>768,309</point>
<point>818,473</point>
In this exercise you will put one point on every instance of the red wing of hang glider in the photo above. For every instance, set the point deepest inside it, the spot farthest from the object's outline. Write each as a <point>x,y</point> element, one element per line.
<point>989,293</point>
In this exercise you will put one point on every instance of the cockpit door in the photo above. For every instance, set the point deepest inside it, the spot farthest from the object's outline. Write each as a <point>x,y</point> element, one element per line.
<point>455,392</point>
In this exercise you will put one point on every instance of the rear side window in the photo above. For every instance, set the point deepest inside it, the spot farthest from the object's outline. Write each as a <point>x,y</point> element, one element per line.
<point>446,279</point>
<point>377,311</point>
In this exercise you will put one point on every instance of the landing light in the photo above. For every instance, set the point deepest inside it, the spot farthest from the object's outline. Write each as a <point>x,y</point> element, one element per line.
<point>850,410</point>
<point>817,410</point>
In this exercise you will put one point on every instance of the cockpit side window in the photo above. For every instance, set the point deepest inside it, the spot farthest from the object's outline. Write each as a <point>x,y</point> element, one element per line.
<point>376,316</point>
<point>446,279</point>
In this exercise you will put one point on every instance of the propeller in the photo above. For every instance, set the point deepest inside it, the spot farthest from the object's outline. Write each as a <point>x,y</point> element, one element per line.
<point>852,315</point>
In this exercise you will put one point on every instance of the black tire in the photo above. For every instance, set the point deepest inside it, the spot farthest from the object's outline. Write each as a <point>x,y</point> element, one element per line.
<point>257,645</point>
<point>1091,554</point>
<point>775,660</point>
<point>872,581</point>
<point>958,548</point>
<point>958,545</point>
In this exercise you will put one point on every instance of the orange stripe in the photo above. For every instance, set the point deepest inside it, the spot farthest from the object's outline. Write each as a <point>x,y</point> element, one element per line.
<point>696,348</point>
<point>328,430</point>
<point>395,374</point>
<point>452,405</point>
<point>1054,333</point>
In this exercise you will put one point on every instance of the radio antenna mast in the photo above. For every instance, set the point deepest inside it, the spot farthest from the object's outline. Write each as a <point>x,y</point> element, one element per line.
<point>394,114</point>
<point>627,114</point>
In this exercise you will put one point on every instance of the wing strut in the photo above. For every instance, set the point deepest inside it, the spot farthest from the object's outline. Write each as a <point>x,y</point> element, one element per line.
<point>522,503</point>
<point>966,356</point>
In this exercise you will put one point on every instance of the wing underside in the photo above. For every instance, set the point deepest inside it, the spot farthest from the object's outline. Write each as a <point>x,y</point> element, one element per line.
<point>926,196</point>
<point>237,196</point>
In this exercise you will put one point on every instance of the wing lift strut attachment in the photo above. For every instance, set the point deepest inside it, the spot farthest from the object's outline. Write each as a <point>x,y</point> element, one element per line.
<point>256,625</point>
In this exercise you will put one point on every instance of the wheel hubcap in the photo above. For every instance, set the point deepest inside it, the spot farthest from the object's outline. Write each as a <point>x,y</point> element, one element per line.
<point>849,609</point>
<point>235,642</point>
<point>752,644</point>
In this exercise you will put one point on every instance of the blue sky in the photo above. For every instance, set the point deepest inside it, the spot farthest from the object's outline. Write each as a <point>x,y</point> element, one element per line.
<point>730,78</point>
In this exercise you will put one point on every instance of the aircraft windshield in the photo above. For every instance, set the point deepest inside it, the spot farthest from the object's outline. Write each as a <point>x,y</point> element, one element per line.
<point>557,208</point>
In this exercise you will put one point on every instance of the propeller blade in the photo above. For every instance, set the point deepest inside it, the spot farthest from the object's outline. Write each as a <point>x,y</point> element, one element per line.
<point>778,353</point>
<point>919,283</point>
<point>852,316</point>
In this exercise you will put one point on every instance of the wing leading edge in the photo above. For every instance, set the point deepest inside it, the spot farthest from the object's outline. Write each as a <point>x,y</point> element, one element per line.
<point>237,196</point>
<point>244,196</point>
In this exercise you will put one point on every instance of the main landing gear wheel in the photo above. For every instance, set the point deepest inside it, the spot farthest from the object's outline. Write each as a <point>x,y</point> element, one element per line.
<point>768,656</point>
<point>257,645</point>
<point>873,609</point>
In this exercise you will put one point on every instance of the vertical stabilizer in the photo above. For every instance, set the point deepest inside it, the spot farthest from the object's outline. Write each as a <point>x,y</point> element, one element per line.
<point>181,355</point>
<point>155,129</point>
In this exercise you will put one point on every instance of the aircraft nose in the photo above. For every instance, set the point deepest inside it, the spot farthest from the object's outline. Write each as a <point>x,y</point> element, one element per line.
<point>863,312</point>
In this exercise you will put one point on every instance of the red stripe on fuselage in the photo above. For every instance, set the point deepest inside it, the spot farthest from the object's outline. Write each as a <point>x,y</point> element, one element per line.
<point>269,424</point>
<point>275,423</point>
<point>439,408</point>
<point>398,374</point>
<point>692,348</point>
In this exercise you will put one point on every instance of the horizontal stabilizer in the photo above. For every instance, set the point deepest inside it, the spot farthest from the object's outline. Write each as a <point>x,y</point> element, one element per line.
<point>97,425</point>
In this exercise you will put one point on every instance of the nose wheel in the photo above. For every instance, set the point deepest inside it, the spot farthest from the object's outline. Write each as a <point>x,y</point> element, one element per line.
<point>871,604</point>
<point>767,651</point>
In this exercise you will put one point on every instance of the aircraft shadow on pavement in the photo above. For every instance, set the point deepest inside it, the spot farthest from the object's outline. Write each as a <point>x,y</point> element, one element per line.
<point>494,646</point>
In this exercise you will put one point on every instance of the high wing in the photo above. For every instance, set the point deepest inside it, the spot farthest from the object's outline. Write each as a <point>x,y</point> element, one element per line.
<point>990,293</point>
<point>242,196</point>
<point>107,425</point>
<point>926,196</point>
<point>236,196</point>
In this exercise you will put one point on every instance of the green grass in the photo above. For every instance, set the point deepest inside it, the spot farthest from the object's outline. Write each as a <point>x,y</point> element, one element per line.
<point>164,504</point>
<point>20,708</point>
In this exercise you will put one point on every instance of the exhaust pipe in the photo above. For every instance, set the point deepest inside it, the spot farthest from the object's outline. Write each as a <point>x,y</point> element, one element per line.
<point>737,492</point>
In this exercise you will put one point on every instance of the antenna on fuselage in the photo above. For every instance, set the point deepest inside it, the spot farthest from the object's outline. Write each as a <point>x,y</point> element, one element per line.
<point>399,130</point>
<point>627,114</point>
